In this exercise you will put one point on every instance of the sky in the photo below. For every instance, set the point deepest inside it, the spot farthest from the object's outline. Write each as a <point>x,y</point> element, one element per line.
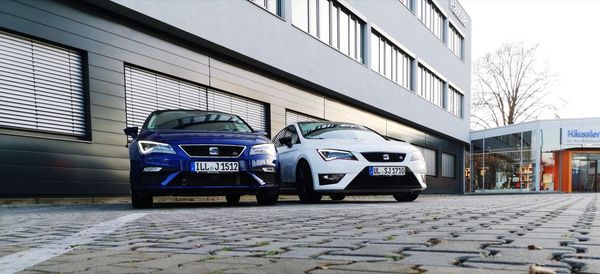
<point>568,35</point>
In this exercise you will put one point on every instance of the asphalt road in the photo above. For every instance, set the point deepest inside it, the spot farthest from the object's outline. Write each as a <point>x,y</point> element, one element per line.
<point>435,234</point>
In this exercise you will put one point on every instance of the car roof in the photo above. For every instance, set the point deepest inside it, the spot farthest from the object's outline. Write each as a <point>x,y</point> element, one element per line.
<point>191,110</point>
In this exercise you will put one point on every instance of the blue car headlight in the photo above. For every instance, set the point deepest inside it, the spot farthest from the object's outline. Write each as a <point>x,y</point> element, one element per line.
<point>267,149</point>
<point>334,154</point>
<point>147,147</point>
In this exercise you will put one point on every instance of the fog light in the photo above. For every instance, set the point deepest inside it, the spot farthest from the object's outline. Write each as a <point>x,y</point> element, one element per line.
<point>152,169</point>
<point>424,177</point>
<point>268,169</point>
<point>329,179</point>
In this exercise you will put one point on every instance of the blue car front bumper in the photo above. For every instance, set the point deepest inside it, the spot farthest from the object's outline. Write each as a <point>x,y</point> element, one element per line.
<point>158,175</point>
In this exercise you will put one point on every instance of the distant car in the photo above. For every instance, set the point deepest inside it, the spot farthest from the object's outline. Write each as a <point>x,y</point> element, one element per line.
<point>339,159</point>
<point>204,153</point>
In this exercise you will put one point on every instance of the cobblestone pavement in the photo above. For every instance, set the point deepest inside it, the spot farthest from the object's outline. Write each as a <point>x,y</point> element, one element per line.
<point>435,234</point>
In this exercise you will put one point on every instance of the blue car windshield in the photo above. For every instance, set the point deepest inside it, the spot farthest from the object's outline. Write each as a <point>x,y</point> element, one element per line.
<point>330,130</point>
<point>197,121</point>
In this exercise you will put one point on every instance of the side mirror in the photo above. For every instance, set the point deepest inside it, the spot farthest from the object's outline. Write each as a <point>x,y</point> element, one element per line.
<point>286,141</point>
<point>131,131</point>
<point>262,132</point>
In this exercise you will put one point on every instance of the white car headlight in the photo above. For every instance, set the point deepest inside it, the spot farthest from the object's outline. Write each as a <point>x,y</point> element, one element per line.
<point>147,147</point>
<point>416,156</point>
<point>334,154</point>
<point>268,149</point>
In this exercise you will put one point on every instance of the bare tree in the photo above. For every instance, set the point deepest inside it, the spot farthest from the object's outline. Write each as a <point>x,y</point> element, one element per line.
<point>509,87</point>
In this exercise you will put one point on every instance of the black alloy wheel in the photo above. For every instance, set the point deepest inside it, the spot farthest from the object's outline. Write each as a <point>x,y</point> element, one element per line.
<point>304,184</point>
<point>337,197</point>
<point>232,199</point>
<point>139,200</point>
<point>406,197</point>
<point>267,198</point>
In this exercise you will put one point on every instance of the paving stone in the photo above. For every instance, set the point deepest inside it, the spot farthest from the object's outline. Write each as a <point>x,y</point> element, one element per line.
<point>307,252</point>
<point>381,250</point>
<point>380,267</point>
<point>583,265</point>
<point>463,270</point>
<point>521,268</point>
<point>278,266</point>
<point>435,258</point>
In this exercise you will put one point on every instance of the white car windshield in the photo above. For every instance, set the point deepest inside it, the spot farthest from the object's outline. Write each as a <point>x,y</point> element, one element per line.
<point>329,130</point>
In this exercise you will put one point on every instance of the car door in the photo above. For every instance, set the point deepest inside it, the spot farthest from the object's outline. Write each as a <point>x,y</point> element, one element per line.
<point>287,155</point>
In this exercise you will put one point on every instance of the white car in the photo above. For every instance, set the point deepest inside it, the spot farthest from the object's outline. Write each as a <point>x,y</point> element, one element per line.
<point>339,159</point>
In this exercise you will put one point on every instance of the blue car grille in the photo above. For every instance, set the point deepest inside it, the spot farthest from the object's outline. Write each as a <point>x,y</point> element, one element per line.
<point>213,150</point>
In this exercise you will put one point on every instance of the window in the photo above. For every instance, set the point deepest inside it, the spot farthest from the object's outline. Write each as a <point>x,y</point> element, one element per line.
<point>433,18</point>
<point>331,23</point>
<point>390,61</point>
<point>273,6</point>
<point>294,117</point>
<point>448,161</point>
<point>41,87</point>
<point>431,86</point>
<point>455,102</point>
<point>430,160</point>
<point>147,91</point>
<point>455,42</point>
<point>253,112</point>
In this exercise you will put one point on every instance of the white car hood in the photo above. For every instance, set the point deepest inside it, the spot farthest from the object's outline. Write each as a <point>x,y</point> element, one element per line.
<point>361,145</point>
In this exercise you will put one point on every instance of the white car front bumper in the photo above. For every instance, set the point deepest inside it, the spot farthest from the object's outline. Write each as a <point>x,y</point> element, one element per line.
<point>357,179</point>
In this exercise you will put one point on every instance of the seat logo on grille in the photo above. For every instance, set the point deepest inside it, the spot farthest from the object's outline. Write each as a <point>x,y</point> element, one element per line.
<point>386,157</point>
<point>213,150</point>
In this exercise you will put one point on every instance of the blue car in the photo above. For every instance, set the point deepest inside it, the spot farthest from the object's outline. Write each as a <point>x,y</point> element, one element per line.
<point>200,153</point>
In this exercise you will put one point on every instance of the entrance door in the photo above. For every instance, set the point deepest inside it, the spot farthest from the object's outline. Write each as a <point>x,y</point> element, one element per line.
<point>584,173</point>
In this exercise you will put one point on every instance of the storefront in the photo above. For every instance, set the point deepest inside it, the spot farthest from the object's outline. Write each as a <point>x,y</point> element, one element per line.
<point>549,155</point>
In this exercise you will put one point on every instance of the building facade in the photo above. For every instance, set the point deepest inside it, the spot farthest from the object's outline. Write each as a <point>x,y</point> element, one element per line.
<point>73,74</point>
<point>548,155</point>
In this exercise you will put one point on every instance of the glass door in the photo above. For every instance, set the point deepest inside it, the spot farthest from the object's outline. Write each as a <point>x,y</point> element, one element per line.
<point>584,173</point>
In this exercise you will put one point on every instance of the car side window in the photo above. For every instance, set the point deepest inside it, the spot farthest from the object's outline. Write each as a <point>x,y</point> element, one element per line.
<point>279,135</point>
<point>294,134</point>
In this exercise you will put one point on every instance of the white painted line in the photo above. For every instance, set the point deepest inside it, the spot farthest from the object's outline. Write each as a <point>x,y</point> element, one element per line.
<point>22,260</point>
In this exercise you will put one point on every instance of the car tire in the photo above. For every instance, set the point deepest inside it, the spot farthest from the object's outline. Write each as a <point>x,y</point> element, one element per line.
<point>337,197</point>
<point>406,197</point>
<point>139,200</point>
<point>304,185</point>
<point>232,199</point>
<point>269,198</point>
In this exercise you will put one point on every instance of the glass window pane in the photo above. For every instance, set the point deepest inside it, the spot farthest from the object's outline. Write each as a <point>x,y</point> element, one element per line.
<point>352,38</point>
<point>394,65</point>
<point>312,17</point>
<point>272,6</point>
<point>388,60</point>
<point>300,14</point>
<point>324,20</point>
<point>343,32</point>
<point>334,27</point>
<point>359,42</point>
<point>382,57</point>
<point>374,52</point>
<point>448,165</point>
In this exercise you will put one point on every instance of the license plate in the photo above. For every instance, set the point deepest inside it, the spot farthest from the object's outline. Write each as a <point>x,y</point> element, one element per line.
<point>216,167</point>
<point>387,171</point>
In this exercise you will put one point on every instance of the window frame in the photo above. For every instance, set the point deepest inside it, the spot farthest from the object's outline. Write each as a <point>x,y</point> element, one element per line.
<point>453,165</point>
<point>86,135</point>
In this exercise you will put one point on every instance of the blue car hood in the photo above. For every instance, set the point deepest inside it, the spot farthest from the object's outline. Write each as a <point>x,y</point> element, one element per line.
<point>195,137</point>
